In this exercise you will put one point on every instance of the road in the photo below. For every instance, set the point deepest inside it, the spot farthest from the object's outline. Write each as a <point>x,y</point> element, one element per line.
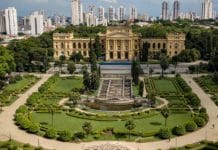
<point>8,127</point>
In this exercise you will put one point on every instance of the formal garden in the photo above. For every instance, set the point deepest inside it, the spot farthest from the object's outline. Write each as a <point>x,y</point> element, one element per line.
<point>16,85</point>
<point>44,115</point>
<point>210,86</point>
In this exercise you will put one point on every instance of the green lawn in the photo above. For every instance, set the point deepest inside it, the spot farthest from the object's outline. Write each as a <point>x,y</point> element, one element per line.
<point>66,85</point>
<point>164,85</point>
<point>20,84</point>
<point>145,125</point>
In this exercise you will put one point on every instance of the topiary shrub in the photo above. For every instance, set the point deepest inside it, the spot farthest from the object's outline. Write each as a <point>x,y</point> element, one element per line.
<point>204,116</point>
<point>33,128</point>
<point>203,110</point>
<point>179,130</point>
<point>22,109</point>
<point>164,133</point>
<point>65,136</point>
<point>191,126</point>
<point>199,121</point>
<point>51,133</point>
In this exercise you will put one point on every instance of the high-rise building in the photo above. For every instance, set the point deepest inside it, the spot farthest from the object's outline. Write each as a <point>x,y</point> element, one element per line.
<point>36,23</point>
<point>101,13</point>
<point>133,13</point>
<point>176,9</point>
<point>165,10</point>
<point>77,12</point>
<point>121,13</point>
<point>207,9</point>
<point>8,21</point>
<point>111,14</point>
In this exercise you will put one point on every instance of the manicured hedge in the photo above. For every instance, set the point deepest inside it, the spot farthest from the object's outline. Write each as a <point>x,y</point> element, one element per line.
<point>179,130</point>
<point>164,133</point>
<point>191,126</point>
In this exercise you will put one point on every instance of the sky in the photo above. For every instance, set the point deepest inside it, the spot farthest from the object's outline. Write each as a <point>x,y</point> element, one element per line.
<point>62,7</point>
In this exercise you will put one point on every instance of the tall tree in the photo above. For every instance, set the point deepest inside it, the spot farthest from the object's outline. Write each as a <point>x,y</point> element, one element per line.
<point>164,63</point>
<point>87,128</point>
<point>71,67</point>
<point>144,53</point>
<point>130,125</point>
<point>97,47</point>
<point>175,61</point>
<point>7,64</point>
<point>86,79</point>
<point>141,88</point>
<point>165,112</point>
<point>62,58</point>
<point>135,71</point>
<point>94,80</point>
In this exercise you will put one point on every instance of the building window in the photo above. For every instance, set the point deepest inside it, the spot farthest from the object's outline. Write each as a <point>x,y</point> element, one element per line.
<point>136,54</point>
<point>176,46</point>
<point>56,53</point>
<point>84,45</point>
<point>154,45</point>
<point>126,55</point>
<point>149,45</point>
<point>111,48</point>
<point>176,52</point>
<point>119,48</point>
<point>62,45</point>
<point>158,45</point>
<point>127,48</point>
<point>136,46</point>
<point>79,46</point>
<point>111,55</point>
<point>68,53</point>
<point>84,53</point>
<point>118,55</point>
<point>74,45</point>
<point>164,45</point>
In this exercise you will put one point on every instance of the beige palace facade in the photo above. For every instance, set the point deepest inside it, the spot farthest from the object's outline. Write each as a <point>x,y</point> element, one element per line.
<point>119,43</point>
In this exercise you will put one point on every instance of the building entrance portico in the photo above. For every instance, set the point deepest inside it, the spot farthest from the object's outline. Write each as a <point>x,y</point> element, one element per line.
<point>121,44</point>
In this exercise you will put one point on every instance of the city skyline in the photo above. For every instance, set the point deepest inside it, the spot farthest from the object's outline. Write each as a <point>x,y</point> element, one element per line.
<point>153,8</point>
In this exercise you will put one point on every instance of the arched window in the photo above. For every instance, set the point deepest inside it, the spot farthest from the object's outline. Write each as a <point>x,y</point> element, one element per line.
<point>154,45</point>
<point>74,45</point>
<point>79,45</point>
<point>158,45</point>
<point>176,46</point>
<point>164,45</point>
<point>84,45</point>
<point>149,45</point>
<point>62,45</point>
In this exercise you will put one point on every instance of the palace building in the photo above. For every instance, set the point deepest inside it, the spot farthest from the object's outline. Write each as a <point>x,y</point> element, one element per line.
<point>119,43</point>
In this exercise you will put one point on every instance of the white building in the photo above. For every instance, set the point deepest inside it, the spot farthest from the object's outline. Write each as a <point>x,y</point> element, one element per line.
<point>121,13</point>
<point>91,19</point>
<point>165,8</point>
<point>207,9</point>
<point>101,13</point>
<point>8,21</point>
<point>133,13</point>
<point>77,12</point>
<point>36,23</point>
<point>111,14</point>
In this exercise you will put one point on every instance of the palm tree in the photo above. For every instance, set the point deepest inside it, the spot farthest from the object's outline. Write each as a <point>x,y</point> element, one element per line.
<point>165,113</point>
<point>130,125</point>
<point>87,128</point>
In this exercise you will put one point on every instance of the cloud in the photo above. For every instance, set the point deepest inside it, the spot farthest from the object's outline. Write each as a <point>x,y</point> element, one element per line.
<point>110,1</point>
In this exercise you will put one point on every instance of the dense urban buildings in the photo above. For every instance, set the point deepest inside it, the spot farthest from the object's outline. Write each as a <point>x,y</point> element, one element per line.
<point>119,43</point>
<point>121,13</point>
<point>8,21</point>
<point>133,13</point>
